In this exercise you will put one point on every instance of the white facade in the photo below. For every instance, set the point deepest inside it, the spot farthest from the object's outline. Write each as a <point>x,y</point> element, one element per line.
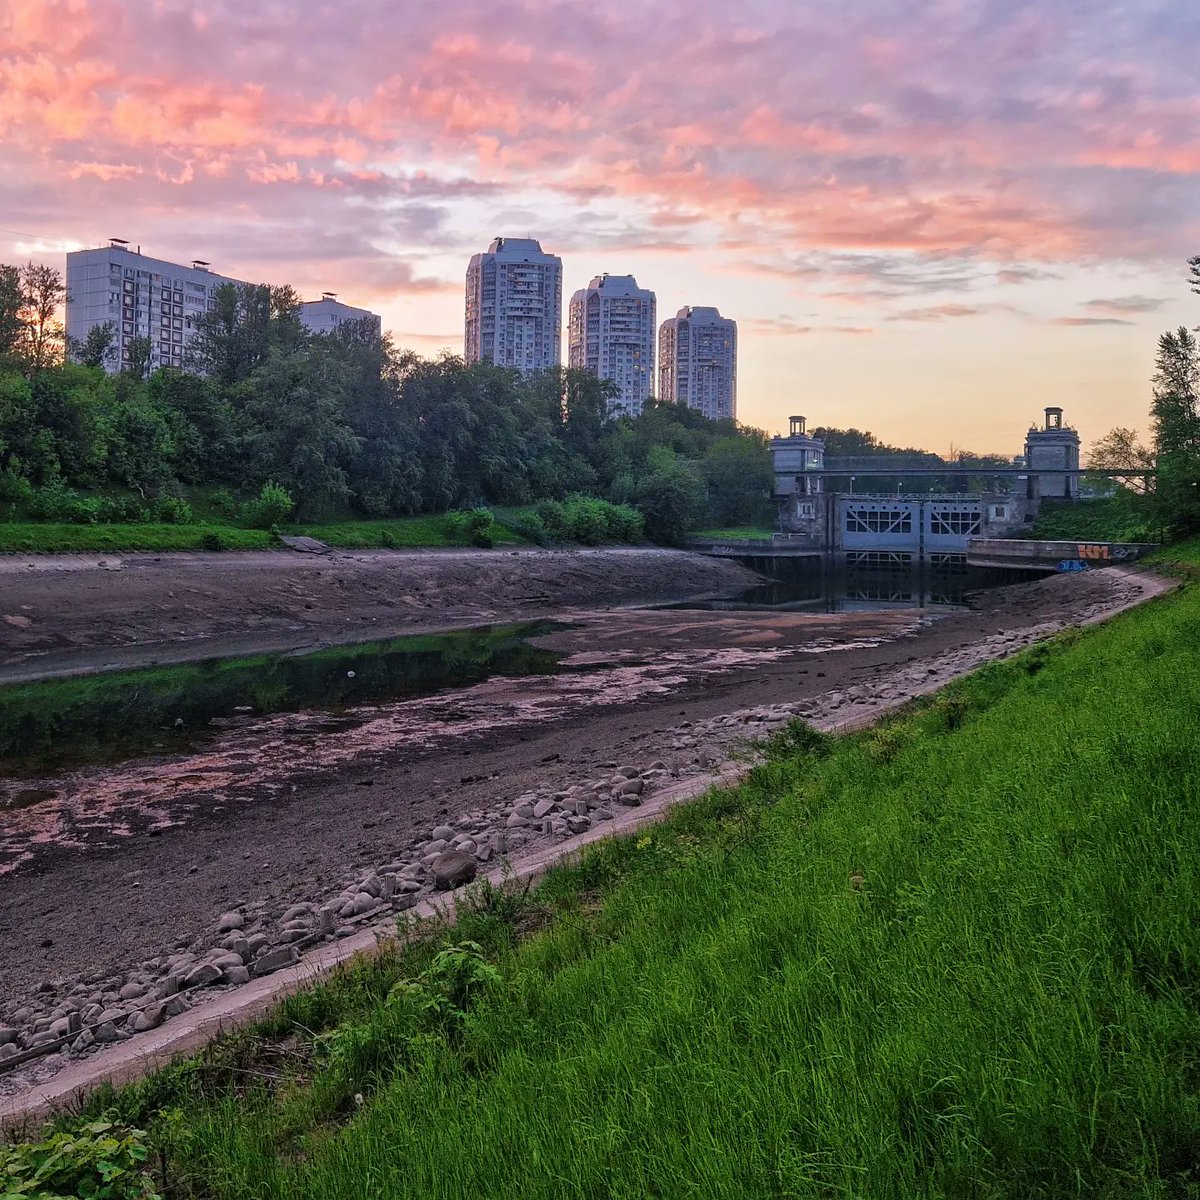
<point>514,306</point>
<point>697,362</point>
<point>611,333</point>
<point>326,314</point>
<point>142,297</point>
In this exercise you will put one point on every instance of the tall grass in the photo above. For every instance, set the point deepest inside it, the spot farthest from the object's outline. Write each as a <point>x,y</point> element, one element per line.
<point>954,956</point>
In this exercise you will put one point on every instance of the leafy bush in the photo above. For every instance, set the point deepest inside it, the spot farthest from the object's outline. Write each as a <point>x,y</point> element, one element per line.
<point>171,510</point>
<point>553,517</point>
<point>477,526</point>
<point>14,485</point>
<point>222,500</point>
<point>271,507</point>
<point>530,527</point>
<point>99,1161</point>
<point>123,510</point>
<point>53,501</point>
<point>587,520</point>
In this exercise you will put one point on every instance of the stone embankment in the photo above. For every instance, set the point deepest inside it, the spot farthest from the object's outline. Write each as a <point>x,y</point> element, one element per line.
<point>70,1018</point>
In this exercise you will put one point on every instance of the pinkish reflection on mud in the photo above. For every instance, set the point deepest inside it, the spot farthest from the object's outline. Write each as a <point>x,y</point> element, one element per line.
<point>257,758</point>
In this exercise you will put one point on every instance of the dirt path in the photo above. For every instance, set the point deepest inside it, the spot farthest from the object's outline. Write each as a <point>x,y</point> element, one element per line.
<point>61,614</point>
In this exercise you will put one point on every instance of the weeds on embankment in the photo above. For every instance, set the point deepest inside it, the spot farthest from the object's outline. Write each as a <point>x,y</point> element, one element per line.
<point>954,955</point>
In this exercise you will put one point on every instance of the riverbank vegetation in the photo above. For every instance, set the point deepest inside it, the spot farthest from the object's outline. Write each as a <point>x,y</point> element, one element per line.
<point>951,955</point>
<point>345,423</point>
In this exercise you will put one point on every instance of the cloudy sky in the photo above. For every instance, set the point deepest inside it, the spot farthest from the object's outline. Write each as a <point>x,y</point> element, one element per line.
<point>930,218</point>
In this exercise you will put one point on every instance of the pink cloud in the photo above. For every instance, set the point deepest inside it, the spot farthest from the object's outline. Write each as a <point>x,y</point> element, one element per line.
<point>972,129</point>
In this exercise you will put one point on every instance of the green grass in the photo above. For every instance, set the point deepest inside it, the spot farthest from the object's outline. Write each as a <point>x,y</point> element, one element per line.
<point>740,534</point>
<point>954,956</point>
<point>66,539</point>
<point>1120,518</point>
<point>402,532</point>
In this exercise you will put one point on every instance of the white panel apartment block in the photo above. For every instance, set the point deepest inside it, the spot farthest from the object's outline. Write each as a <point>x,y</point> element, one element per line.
<point>697,362</point>
<point>326,314</point>
<point>611,333</point>
<point>142,297</point>
<point>514,306</point>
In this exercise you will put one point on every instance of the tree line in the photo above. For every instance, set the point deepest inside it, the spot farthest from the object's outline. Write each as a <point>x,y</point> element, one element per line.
<point>1170,501</point>
<point>345,422</point>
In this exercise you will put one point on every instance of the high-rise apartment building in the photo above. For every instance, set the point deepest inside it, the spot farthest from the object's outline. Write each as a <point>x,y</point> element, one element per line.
<point>326,314</point>
<point>142,297</point>
<point>610,332</point>
<point>152,298</point>
<point>697,362</point>
<point>514,306</point>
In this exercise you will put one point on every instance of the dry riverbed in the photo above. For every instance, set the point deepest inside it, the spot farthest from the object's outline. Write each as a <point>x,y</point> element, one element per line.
<point>212,877</point>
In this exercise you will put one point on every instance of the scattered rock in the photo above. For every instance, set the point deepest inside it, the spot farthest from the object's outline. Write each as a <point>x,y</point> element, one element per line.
<point>275,960</point>
<point>453,869</point>
<point>149,1018</point>
<point>203,975</point>
<point>230,921</point>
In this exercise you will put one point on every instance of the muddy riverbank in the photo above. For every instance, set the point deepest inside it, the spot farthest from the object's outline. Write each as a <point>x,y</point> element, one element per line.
<point>61,614</point>
<point>665,694</point>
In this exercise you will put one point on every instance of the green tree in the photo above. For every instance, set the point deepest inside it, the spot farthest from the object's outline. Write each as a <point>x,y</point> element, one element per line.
<point>43,294</point>
<point>1120,450</point>
<point>672,500</point>
<point>137,365</point>
<point>740,478</point>
<point>97,349</point>
<point>12,302</point>
<point>1177,432</point>
<point>296,432</point>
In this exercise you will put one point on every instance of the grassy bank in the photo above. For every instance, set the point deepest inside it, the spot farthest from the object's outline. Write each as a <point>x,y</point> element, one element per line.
<point>742,533</point>
<point>1121,518</point>
<point>402,532</point>
<point>957,955</point>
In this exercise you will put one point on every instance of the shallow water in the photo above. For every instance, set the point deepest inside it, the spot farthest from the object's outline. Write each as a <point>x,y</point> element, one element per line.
<point>255,758</point>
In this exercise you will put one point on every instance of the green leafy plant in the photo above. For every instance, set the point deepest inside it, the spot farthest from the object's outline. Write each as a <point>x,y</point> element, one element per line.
<point>102,1160</point>
<point>272,506</point>
<point>476,526</point>
<point>171,510</point>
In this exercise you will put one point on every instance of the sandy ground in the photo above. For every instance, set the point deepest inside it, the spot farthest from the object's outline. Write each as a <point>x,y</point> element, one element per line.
<point>106,904</point>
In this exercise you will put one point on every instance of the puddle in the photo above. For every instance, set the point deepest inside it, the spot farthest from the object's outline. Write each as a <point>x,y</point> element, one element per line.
<point>111,717</point>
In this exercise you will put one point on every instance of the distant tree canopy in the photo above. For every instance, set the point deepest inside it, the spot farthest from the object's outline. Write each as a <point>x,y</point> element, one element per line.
<point>345,422</point>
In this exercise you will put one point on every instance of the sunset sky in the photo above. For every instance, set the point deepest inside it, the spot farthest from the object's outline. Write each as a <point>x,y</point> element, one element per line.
<point>930,218</point>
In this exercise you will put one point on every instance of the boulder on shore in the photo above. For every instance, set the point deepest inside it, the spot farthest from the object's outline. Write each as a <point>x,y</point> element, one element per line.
<point>452,869</point>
